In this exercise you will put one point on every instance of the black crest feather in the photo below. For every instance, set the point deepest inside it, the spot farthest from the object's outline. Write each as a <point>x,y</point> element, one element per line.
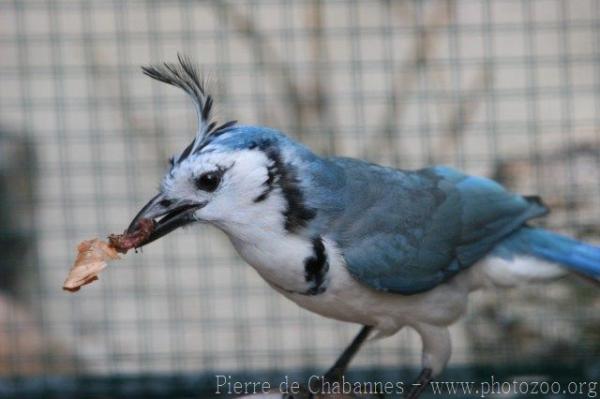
<point>185,76</point>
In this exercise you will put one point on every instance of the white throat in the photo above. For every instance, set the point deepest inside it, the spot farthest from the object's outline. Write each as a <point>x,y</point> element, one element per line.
<point>259,236</point>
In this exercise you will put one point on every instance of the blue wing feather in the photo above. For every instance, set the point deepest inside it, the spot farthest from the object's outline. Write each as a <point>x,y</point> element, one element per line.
<point>408,231</point>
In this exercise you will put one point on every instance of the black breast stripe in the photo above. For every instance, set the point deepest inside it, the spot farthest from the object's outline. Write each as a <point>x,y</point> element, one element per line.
<point>316,267</point>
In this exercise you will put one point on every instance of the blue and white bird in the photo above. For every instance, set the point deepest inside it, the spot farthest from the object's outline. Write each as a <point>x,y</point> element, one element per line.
<point>354,241</point>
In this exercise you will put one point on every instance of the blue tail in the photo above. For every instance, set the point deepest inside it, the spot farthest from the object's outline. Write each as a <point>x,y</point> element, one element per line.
<point>576,255</point>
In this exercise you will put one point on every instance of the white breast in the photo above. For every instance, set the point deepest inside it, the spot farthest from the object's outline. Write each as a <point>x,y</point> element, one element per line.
<point>277,256</point>
<point>347,299</point>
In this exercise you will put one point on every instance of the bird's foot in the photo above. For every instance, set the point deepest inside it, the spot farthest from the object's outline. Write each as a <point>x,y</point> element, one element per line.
<point>420,384</point>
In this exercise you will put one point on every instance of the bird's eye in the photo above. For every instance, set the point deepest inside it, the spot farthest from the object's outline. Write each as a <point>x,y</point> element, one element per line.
<point>165,203</point>
<point>208,181</point>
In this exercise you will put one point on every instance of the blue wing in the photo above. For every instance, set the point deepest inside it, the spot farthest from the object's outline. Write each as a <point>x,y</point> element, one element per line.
<point>408,231</point>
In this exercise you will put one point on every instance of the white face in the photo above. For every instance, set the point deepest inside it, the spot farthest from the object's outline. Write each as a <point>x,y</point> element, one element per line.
<point>226,182</point>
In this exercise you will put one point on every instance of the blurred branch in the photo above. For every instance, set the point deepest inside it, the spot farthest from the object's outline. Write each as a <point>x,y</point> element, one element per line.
<point>302,106</point>
<point>423,47</point>
<point>263,51</point>
<point>103,81</point>
<point>462,114</point>
<point>319,103</point>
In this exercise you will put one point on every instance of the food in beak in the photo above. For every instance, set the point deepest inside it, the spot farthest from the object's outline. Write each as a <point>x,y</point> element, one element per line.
<point>94,255</point>
<point>126,241</point>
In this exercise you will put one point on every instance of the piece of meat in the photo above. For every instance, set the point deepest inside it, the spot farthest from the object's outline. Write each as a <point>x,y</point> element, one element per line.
<point>124,242</point>
<point>92,257</point>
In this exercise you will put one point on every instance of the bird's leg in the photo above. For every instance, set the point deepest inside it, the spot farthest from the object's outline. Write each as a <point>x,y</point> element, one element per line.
<point>338,369</point>
<point>436,352</point>
<point>420,384</point>
<point>335,373</point>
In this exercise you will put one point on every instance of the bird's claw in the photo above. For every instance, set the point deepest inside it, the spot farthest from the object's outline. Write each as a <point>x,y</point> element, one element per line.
<point>420,384</point>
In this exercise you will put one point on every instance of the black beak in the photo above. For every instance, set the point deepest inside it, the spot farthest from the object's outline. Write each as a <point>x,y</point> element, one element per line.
<point>167,216</point>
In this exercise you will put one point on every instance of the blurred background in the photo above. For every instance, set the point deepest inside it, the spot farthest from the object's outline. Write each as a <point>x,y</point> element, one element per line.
<point>502,88</point>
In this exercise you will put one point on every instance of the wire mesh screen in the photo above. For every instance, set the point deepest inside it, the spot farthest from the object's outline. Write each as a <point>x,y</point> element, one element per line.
<point>508,89</point>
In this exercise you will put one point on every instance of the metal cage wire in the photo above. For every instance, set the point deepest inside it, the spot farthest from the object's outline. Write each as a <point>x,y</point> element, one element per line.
<point>507,88</point>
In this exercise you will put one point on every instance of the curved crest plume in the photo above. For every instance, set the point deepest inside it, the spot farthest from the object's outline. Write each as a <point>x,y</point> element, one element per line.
<point>185,76</point>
